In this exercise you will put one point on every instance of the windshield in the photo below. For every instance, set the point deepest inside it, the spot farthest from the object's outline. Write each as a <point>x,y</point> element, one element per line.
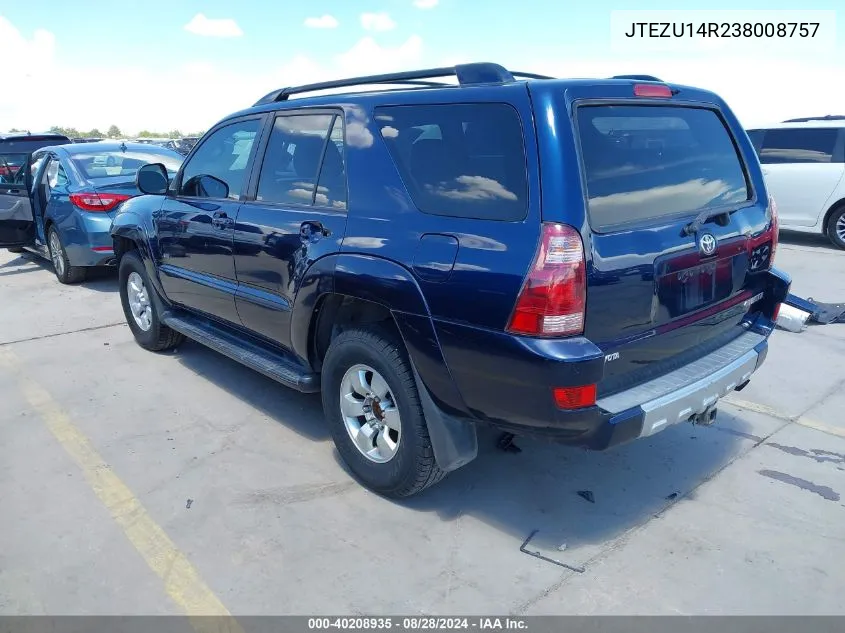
<point>108,164</point>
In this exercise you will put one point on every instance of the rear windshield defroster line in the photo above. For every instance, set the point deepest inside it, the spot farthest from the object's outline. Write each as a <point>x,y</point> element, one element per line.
<point>643,163</point>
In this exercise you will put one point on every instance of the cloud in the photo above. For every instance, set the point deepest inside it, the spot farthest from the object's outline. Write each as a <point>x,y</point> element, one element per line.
<point>377,22</point>
<point>426,4</point>
<point>323,22</point>
<point>207,27</point>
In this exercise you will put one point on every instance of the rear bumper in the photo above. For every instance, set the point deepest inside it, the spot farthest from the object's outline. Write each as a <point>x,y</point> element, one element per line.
<point>90,242</point>
<point>684,394</point>
<point>507,381</point>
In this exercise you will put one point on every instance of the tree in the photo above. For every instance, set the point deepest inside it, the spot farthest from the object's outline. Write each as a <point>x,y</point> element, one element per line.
<point>70,132</point>
<point>175,134</point>
<point>114,132</point>
<point>14,129</point>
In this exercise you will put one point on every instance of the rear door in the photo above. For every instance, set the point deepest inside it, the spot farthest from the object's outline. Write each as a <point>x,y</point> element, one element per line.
<point>662,291</point>
<point>17,222</point>
<point>294,214</point>
<point>803,166</point>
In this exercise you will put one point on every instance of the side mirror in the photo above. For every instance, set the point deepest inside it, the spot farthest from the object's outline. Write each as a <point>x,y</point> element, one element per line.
<point>205,186</point>
<point>152,179</point>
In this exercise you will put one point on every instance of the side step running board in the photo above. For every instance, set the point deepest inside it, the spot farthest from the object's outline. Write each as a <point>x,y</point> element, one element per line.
<point>273,364</point>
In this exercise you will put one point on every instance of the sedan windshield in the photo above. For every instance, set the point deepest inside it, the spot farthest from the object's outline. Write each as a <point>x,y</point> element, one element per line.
<point>111,163</point>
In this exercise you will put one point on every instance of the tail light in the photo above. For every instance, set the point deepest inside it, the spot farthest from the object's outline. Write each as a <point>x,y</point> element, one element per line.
<point>773,209</point>
<point>575,397</point>
<point>553,299</point>
<point>97,201</point>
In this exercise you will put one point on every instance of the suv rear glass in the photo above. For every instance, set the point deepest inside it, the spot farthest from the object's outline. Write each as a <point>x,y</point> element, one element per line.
<point>459,160</point>
<point>643,163</point>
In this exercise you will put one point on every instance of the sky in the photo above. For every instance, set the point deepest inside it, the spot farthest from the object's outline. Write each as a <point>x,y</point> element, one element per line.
<point>163,65</point>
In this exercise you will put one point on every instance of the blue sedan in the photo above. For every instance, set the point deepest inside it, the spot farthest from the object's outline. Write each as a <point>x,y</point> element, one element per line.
<point>61,201</point>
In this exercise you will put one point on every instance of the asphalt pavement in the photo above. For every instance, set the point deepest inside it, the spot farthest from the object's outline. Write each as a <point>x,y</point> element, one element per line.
<point>140,483</point>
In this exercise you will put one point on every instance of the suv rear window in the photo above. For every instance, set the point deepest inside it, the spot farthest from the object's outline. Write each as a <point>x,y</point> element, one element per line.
<point>643,163</point>
<point>459,160</point>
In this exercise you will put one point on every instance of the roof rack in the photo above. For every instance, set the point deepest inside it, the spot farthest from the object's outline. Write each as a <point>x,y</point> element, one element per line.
<point>638,77</point>
<point>467,74</point>
<point>827,117</point>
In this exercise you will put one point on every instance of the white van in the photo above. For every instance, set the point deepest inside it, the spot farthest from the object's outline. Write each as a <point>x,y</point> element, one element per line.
<point>804,166</point>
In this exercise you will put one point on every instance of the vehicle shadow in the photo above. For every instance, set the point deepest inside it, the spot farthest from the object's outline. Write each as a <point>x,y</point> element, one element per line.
<point>807,239</point>
<point>302,413</point>
<point>102,279</point>
<point>581,498</point>
<point>535,489</point>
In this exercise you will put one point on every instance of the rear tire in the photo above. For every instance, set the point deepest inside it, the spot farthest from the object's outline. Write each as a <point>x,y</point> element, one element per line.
<point>65,273</point>
<point>142,306</point>
<point>401,462</point>
<point>836,227</point>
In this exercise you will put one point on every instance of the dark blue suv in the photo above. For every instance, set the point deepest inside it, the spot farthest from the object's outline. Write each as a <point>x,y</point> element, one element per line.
<point>583,260</point>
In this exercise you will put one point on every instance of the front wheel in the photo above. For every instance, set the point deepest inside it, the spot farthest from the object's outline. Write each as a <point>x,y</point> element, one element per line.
<point>373,409</point>
<point>142,307</point>
<point>15,249</point>
<point>836,227</point>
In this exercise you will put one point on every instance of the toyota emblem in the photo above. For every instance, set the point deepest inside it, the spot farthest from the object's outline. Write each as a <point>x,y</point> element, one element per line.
<point>707,244</point>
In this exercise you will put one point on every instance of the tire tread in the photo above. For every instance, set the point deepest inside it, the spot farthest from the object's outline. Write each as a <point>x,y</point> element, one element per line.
<point>389,346</point>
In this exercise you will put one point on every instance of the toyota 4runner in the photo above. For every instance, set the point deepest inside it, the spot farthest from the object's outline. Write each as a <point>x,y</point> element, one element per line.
<point>583,260</point>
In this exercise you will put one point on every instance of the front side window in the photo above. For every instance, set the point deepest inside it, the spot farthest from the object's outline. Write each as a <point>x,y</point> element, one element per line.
<point>459,160</point>
<point>304,149</point>
<point>643,163</point>
<point>219,165</point>
<point>797,145</point>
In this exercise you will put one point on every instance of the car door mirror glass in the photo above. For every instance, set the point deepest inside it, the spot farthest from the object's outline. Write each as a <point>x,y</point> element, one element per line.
<point>152,179</point>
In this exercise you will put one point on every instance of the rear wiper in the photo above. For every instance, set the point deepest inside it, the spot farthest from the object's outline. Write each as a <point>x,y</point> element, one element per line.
<point>693,227</point>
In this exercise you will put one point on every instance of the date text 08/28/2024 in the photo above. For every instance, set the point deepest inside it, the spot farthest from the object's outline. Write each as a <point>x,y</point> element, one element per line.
<point>417,623</point>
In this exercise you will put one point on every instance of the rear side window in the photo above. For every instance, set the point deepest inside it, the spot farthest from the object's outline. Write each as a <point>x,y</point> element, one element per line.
<point>643,163</point>
<point>796,145</point>
<point>459,160</point>
<point>303,163</point>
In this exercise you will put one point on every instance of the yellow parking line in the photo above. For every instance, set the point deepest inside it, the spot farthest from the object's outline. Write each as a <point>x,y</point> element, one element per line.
<point>182,581</point>
<point>757,408</point>
<point>820,426</point>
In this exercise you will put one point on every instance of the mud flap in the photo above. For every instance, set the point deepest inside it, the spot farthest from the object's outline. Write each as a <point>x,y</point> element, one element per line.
<point>455,441</point>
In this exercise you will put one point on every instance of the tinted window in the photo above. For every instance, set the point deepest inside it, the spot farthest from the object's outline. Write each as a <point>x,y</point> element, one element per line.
<point>293,157</point>
<point>798,145</point>
<point>756,137</point>
<point>224,155</point>
<point>107,164</point>
<point>465,160</point>
<point>648,162</point>
<point>331,189</point>
<point>12,167</point>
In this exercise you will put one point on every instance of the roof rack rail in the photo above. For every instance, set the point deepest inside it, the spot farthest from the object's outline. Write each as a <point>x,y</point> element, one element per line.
<point>827,117</point>
<point>467,74</point>
<point>638,77</point>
